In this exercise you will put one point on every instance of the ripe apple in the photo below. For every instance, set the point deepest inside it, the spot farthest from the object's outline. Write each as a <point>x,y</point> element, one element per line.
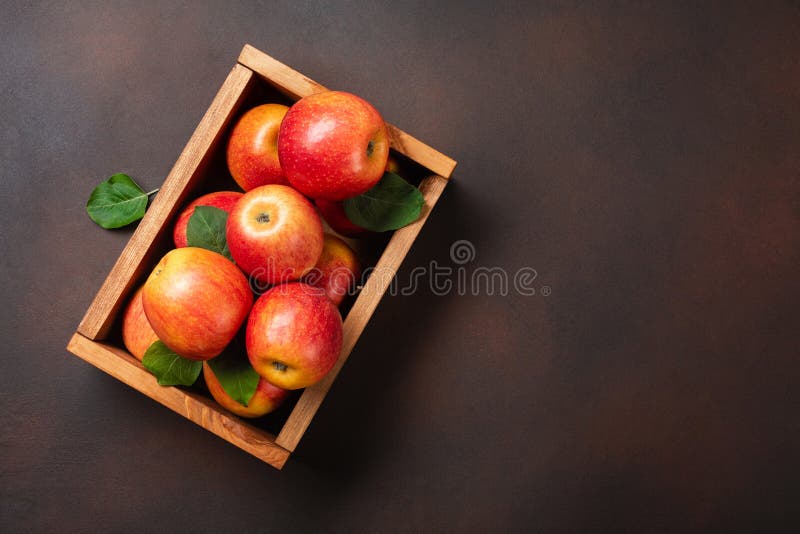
<point>274,234</point>
<point>333,213</point>
<point>293,336</point>
<point>337,270</point>
<point>266,398</point>
<point>137,334</point>
<point>223,200</point>
<point>252,151</point>
<point>333,145</point>
<point>196,300</point>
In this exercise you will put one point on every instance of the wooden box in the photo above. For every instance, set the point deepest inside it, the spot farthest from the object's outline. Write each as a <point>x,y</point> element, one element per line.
<point>256,78</point>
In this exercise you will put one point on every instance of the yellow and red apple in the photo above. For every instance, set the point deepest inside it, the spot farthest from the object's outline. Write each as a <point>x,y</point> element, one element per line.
<point>333,145</point>
<point>337,271</point>
<point>293,336</point>
<point>137,334</point>
<point>196,300</point>
<point>224,200</point>
<point>266,398</point>
<point>252,151</point>
<point>274,234</point>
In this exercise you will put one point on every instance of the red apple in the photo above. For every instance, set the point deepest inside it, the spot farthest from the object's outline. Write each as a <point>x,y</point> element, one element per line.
<point>196,300</point>
<point>333,145</point>
<point>337,270</point>
<point>266,398</point>
<point>252,152</point>
<point>137,334</point>
<point>334,214</point>
<point>274,234</point>
<point>294,335</point>
<point>223,200</point>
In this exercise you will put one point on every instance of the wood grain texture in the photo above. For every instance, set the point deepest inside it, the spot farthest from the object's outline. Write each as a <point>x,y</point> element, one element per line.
<point>281,76</point>
<point>428,157</point>
<point>187,169</point>
<point>368,299</point>
<point>297,85</point>
<point>197,408</point>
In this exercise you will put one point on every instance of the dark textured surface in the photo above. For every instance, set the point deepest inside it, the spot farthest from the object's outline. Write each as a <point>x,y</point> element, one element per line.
<point>642,157</point>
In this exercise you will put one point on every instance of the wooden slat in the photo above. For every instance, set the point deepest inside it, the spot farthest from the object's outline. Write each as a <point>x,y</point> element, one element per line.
<point>197,408</point>
<point>136,255</point>
<point>283,77</point>
<point>428,157</point>
<point>359,315</point>
<point>296,85</point>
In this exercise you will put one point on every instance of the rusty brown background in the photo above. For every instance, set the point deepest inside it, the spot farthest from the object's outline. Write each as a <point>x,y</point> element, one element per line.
<point>643,157</point>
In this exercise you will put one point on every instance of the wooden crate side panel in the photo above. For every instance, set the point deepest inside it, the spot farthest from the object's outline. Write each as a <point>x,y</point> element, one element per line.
<point>297,85</point>
<point>281,76</point>
<point>197,408</point>
<point>359,315</point>
<point>136,255</point>
<point>428,157</point>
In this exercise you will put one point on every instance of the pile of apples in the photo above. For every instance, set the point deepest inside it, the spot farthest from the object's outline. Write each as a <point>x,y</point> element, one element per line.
<point>325,148</point>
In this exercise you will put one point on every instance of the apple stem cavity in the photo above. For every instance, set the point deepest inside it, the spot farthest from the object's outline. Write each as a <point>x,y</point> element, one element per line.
<point>370,148</point>
<point>263,218</point>
<point>280,366</point>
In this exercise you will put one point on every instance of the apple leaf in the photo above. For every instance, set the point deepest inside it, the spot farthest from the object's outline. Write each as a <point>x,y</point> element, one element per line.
<point>169,368</point>
<point>391,204</point>
<point>116,202</point>
<point>235,375</point>
<point>206,229</point>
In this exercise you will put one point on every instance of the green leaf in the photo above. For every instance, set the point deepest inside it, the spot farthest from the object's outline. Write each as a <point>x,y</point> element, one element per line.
<point>169,368</point>
<point>206,229</point>
<point>391,204</point>
<point>235,375</point>
<point>116,202</point>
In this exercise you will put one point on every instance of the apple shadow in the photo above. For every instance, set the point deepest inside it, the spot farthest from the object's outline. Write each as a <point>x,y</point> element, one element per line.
<point>355,427</point>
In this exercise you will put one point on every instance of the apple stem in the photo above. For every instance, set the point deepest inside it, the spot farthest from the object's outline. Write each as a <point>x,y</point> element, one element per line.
<point>153,192</point>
